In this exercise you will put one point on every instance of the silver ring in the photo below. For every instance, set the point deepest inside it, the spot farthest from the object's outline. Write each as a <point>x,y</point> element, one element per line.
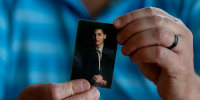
<point>174,43</point>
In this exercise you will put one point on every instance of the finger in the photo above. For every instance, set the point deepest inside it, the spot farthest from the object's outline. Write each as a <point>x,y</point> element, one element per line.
<point>159,37</point>
<point>124,20</point>
<point>92,94</point>
<point>148,23</point>
<point>164,57</point>
<point>70,88</point>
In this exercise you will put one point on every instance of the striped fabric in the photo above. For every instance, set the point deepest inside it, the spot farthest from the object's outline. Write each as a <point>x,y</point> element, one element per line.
<point>37,39</point>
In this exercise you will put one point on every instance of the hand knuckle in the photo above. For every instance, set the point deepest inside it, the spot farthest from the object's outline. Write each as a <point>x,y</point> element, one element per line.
<point>160,34</point>
<point>178,20</point>
<point>53,91</point>
<point>71,87</point>
<point>159,53</point>
<point>166,20</point>
<point>151,10</point>
<point>157,20</point>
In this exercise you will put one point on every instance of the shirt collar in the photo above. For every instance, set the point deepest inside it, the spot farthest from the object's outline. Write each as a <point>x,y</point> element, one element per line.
<point>100,49</point>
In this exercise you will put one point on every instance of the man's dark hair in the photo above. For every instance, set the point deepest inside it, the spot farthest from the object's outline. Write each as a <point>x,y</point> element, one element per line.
<point>99,26</point>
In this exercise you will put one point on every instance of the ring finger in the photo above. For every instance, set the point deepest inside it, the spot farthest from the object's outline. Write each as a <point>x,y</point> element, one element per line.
<point>148,23</point>
<point>153,37</point>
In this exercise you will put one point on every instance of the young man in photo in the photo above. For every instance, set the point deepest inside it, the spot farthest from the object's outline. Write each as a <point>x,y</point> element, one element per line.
<point>101,59</point>
<point>95,54</point>
<point>99,37</point>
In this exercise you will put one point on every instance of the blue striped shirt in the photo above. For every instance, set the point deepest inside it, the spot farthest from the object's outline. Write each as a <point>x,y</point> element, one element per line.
<point>37,39</point>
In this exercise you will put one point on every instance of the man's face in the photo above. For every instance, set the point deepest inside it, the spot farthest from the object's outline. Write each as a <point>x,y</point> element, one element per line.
<point>99,37</point>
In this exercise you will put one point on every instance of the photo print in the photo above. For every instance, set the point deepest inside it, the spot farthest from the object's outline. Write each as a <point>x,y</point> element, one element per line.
<point>95,52</point>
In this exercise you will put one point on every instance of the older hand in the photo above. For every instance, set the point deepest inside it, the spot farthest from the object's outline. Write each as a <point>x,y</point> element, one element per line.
<point>73,90</point>
<point>145,35</point>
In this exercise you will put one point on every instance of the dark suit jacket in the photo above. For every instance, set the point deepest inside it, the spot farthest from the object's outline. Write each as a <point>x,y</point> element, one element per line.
<point>86,65</point>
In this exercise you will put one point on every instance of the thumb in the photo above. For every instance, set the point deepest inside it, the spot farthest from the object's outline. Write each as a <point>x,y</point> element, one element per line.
<point>72,87</point>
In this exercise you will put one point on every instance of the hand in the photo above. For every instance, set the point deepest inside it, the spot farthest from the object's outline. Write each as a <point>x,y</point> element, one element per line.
<point>145,35</point>
<point>97,78</point>
<point>73,90</point>
<point>103,82</point>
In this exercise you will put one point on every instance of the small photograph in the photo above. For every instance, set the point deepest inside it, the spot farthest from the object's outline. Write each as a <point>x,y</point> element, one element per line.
<point>94,55</point>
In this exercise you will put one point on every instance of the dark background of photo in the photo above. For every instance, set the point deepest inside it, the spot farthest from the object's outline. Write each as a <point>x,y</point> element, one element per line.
<point>85,44</point>
<point>86,31</point>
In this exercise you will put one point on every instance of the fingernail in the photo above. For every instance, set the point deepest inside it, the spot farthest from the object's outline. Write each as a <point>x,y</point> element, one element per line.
<point>85,86</point>
<point>117,22</point>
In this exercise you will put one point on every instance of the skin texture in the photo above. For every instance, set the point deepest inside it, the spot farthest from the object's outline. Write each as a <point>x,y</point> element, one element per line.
<point>73,90</point>
<point>99,37</point>
<point>145,35</point>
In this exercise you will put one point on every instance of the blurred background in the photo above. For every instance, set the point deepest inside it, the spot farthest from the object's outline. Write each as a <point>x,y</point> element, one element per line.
<point>37,40</point>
